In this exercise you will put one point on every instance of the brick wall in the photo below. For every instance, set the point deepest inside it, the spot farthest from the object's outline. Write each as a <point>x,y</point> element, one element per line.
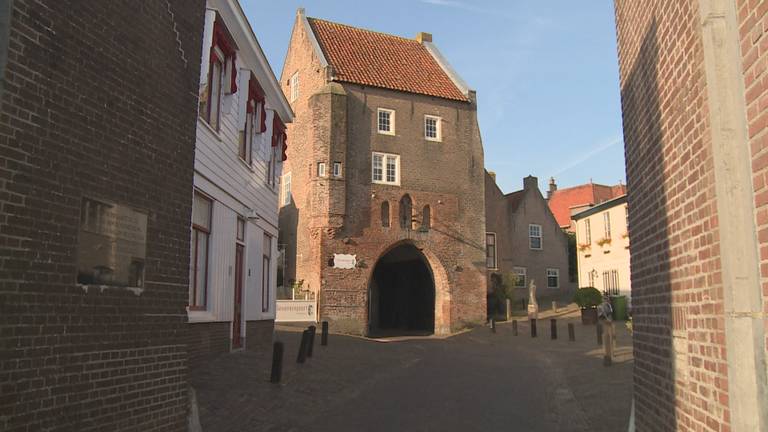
<point>693,91</point>
<point>753,19</point>
<point>680,363</point>
<point>99,100</point>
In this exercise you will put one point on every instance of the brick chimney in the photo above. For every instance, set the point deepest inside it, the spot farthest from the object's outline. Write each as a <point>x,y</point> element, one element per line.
<point>552,187</point>
<point>530,182</point>
<point>422,37</point>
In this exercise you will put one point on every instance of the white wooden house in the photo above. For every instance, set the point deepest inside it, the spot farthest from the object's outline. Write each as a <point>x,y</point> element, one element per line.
<point>238,158</point>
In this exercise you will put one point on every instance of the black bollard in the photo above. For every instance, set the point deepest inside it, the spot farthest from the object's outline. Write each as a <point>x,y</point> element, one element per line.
<point>553,328</point>
<point>324,334</point>
<point>571,332</point>
<point>599,334</point>
<point>303,347</point>
<point>533,327</point>
<point>277,362</point>
<point>311,340</point>
<point>493,325</point>
<point>514,327</point>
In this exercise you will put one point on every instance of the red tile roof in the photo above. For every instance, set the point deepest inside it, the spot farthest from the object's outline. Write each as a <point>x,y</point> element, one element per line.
<point>562,200</point>
<point>376,59</point>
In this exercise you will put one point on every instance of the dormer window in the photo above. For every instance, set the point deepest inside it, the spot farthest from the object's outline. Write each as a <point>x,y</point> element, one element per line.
<point>222,75</point>
<point>386,121</point>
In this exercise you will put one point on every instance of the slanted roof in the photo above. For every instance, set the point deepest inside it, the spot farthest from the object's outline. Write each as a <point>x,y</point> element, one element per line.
<point>562,200</point>
<point>600,207</point>
<point>370,58</point>
<point>514,199</point>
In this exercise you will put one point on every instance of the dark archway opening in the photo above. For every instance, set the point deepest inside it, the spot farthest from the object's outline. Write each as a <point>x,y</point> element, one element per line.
<point>402,294</point>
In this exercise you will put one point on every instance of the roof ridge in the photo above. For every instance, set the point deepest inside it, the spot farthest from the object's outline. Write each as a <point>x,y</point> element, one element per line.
<point>364,29</point>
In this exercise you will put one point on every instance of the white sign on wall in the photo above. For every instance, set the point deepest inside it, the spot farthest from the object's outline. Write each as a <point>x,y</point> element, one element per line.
<point>344,261</point>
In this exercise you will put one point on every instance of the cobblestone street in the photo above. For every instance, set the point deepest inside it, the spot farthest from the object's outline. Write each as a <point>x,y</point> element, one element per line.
<point>472,381</point>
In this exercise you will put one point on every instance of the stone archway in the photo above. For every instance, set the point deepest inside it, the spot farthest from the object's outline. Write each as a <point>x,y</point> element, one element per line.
<point>402,293</point>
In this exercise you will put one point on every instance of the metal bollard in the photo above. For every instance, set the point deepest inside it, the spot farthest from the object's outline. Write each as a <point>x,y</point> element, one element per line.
<point>509,309</point>
<point>533,327</point>
<point>554,305</point>
<point>553,328</point>
<point>571,332</point>
<point>608,346</point>
<point>311,341</point>
<point>599,334</point>
<point>493,325</point>
<point>514,327</point>
<point>303,347</point>
<point>277,362</point>
<point>324,334</point>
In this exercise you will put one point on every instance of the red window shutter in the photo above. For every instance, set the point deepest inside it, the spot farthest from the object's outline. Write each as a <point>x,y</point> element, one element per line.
<point>223,40</point>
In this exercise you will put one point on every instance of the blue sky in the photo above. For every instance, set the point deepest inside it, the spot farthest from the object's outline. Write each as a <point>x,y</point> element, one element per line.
<point>545,72</point>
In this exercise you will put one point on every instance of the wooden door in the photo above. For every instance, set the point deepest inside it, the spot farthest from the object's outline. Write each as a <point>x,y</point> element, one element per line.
<point>237,319</point>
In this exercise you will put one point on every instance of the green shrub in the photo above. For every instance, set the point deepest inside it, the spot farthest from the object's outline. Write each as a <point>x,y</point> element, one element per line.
<point>587,297</point>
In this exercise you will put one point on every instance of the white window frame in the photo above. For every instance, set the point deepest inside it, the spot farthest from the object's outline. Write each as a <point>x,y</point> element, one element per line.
<point>531,237</point>
<point>286,183</point>
<point>587,231</point>
<point>321,172</point>
<point>607,224</point>
<point>517,271</point>
<point>337,169</point>
<point>495,250</point>
<point>294,83</point>
<point>438,128</point>
<point>553,272</point>
<point>391,113</point>
<point>384,159</point>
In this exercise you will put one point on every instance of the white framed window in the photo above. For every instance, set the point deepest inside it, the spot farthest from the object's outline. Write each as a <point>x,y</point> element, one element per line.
<point>385,168</point>
<point>432,128</point>
<point>386,121</point>
<point>202,217</point>
<point>520,276</point>
<point>321,169</point>
<point>490,250</point>
<point>272,166</point>
<point>266,267</point>
<point>286,182</point>
<point>607,224</point>
<point>587,231</point>
<point>294,84</point>
<point>553,278</point>
<point>534,236</point>
<point>592,278</point>
<point>337,169</point>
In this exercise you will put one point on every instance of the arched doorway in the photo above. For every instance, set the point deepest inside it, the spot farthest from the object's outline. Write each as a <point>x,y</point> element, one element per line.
<point>401,294</point>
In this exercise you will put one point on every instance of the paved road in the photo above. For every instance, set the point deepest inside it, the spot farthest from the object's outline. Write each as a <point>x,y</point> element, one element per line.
<point>475,381</point>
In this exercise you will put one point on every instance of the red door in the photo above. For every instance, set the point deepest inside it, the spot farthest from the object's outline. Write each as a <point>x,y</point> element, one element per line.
<point>237,320</point>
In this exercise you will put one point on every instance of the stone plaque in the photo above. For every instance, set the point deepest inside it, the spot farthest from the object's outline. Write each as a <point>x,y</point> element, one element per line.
<point>112,244</point>
<point>343,261</point>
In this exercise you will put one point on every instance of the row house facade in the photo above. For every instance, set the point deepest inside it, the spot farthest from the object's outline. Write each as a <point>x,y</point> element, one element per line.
<point>382,209</point>
<point>241,143</point>
<point>524,242</point>
<point>565,202</point>
<point>602,242</point>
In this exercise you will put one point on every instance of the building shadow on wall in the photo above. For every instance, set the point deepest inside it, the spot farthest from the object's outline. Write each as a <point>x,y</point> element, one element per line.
<point>654,377</point>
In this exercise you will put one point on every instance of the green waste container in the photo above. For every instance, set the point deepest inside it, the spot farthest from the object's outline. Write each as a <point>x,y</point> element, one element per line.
<point>619,305</point>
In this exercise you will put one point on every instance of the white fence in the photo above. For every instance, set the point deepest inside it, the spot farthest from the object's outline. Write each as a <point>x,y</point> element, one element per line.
<point>296,311</point>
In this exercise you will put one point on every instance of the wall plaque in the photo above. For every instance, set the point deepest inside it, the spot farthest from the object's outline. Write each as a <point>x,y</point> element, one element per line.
<point>343,261</point>
<point>112,244</point>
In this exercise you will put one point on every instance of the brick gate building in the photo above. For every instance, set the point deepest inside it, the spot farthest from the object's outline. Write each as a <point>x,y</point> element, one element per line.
<point>694,92</point>
<point>382,204</point>
<point>97,135</point>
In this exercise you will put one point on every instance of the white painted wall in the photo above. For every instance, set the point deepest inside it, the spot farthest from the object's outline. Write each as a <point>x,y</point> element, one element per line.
<point>236,187</point>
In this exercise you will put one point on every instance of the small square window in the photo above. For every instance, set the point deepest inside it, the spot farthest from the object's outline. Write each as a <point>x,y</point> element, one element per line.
<point>385,168</point>
<point>520,274</point>
<point>553,278</point>
<point>386,121</point>
<point>432,125</point>
<point>321,169</point>
<point>337,169</point>
<point>240,229</point>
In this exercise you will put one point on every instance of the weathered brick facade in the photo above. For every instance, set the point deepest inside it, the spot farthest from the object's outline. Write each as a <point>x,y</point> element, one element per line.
<point>99,100</point>
<point>699,318</point>
<point>336,122</point>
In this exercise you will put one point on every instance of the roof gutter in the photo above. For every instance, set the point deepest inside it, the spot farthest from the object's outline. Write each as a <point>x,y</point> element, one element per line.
<point>450,71</point>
